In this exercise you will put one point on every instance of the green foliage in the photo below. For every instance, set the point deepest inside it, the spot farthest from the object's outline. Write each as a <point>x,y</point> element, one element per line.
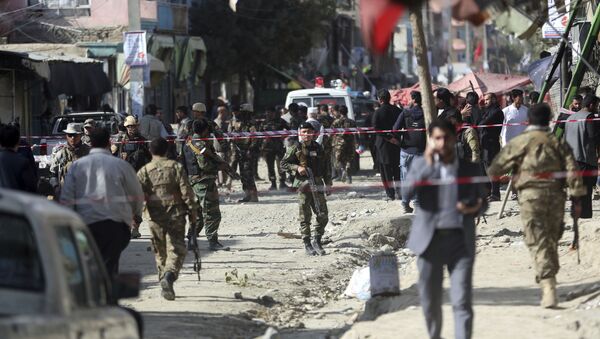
<point>274,32</point>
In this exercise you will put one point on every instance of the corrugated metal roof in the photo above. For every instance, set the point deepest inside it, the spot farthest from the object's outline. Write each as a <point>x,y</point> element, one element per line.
<point>50,52</point>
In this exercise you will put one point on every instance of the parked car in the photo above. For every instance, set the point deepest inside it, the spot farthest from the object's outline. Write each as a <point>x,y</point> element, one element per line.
<point>53,283</point>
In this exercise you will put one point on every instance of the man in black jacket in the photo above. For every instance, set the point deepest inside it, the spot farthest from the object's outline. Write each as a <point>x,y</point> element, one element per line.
<point>388,152</point>
<point>16,172</point>
<point>412,142</point>
<point>489,138</point>
<point>443,101</point>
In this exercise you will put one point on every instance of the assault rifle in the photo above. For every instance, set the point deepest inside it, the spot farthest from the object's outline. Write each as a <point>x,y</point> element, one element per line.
<point>223,165</point>
<point>313,190</point>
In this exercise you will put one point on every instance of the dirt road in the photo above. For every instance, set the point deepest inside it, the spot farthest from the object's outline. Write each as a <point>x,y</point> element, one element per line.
<point>266,280</point>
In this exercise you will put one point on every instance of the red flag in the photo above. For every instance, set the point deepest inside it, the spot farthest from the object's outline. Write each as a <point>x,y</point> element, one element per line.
<point>378,21</point>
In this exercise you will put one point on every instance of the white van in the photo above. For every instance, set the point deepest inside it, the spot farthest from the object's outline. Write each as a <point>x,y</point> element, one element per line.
<point>318,96</point>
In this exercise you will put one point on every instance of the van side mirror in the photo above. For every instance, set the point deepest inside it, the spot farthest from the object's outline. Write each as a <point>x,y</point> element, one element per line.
<point>127,285</point>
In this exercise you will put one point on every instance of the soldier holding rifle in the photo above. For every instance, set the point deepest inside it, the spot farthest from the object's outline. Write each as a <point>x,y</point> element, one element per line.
<point>313,180</point>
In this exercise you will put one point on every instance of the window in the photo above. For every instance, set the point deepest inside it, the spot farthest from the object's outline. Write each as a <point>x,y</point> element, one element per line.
<point>329,101</point>
<point>69,7</point>
<point>98,284</point>
<point>20,264</point>
<point>72,265</point>
<point>306,101</point>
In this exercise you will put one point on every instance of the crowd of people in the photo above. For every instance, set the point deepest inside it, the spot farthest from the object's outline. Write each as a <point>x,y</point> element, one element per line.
<point>115,183</point>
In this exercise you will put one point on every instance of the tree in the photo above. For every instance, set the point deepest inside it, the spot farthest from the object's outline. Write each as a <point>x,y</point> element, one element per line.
<point>261,33</point>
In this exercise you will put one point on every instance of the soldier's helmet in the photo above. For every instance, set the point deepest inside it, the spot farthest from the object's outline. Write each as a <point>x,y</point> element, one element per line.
<point>130,121</point>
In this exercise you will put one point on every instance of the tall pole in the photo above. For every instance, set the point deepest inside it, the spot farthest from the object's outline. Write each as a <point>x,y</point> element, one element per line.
<point>420,46</point>
<point>136,75</point>
<point>486,64</point>
<point>468,43</point>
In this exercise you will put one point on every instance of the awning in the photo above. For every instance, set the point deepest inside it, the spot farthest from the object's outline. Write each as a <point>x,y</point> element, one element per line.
<point>193,62</point>
<point>102,50</point>
<point>163,48</point>
<point>66,68</point>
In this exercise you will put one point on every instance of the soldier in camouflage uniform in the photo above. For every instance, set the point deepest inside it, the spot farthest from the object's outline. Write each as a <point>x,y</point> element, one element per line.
<point>309,155</point>
<point>467,140</point>
<point>132,146</point>
<point>65,154</point>
<point>88,127</point>
<point>202,164</point>
<point>273,148</point>
<point>344,145</point>
<point>326,121</point>
<point>169,199</point>
<point>246,149</point>
<point>529,156</point>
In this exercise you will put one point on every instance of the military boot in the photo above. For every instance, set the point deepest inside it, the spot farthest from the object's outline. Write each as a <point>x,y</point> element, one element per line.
<point>215,245</point>
<point>254,196</point>
<point>166,283</point>
<point>549,298</point>
<point>273,186</point>
<point>344,176</point>
<point>282,185</point>
<point>308,248</point>
<point>317,245</point>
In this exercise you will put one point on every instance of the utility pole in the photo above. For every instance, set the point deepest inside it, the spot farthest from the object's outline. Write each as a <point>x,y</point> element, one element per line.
<point>136,75</point>
<point>486,64</point>
<point>420,46</point>
<point>468,46</point>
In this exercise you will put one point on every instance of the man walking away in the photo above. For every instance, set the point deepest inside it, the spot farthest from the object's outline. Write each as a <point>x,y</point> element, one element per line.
<point>531,156</point>
<point>388,152</point>
<point>412,142</point>
<point>106,193</point>
<point>490,138</point>
<point>169,199</point>
<point>583,137</point>
<point>305,159</point>
<point>16,172</point>
<point>443,230</point>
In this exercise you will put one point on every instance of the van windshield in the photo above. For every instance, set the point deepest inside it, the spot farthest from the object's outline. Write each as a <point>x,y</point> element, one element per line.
<point>20,265</point>
<point>329,100</point>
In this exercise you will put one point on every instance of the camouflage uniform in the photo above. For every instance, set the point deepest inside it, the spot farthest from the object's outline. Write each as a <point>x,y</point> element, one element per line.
<point>85,139</point>
<point>541,199</point>
<point>202,172</point>
<point>326,121</point>
<point>274,150</point>
<point>169,198</point>
<point>344,145</point>
<point>246,150</point>
<point>62,157</point>
<point>468,145</point>
<point>312,156</point>
<point>134,150</point>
